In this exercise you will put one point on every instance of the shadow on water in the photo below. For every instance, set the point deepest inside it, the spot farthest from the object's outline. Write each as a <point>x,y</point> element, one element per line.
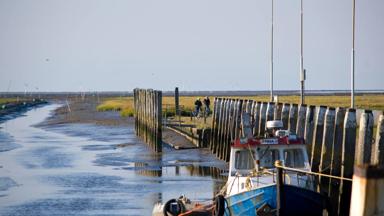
<point>86,169</point>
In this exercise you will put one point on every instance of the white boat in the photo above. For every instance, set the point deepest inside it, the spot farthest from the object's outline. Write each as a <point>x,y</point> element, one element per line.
<point>251,184</point>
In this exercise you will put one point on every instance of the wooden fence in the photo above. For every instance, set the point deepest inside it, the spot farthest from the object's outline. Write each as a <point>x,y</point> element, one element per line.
<point>330,134</point>
<point>148,117</point>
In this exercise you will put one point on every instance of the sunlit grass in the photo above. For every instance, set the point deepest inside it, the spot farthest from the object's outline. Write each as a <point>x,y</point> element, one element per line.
<point>7,100</point>
<point>125,104</point>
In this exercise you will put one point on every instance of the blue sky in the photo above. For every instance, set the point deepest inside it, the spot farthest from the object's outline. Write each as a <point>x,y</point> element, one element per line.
<point>117,45</point>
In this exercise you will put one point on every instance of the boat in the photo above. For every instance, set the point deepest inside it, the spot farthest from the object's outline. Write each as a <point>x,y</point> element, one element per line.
<point>251,188</point>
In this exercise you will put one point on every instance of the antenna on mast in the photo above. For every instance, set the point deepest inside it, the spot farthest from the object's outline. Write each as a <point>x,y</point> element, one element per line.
<point>302,70</point>
<point>271,75</point>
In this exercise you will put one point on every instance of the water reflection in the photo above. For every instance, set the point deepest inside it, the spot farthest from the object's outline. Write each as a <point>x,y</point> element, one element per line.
<point>92,169</point>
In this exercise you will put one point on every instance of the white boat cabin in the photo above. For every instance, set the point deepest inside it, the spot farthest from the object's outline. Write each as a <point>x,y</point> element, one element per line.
<point>252,160</point>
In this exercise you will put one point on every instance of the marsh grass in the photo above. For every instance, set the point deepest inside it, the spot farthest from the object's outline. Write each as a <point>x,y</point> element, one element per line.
<point>7,100</point>
<point>125,104</point>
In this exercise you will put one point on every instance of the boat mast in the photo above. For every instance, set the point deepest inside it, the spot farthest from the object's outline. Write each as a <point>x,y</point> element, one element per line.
<point>302,71</point>
<point>353,57</point>
<point>271,75</point>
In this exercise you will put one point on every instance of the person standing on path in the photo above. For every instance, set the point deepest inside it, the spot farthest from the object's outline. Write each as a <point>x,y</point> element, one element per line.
<point>207,103</point>
<point>198,106</point>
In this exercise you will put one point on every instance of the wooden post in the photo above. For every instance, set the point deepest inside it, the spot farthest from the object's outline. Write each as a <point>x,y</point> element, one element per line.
<point>293,118</point>
<point>326,150</point>
<point>219,125</point>
<point>309,124</point>
<point>263,117</point>
<point>318,139</point>
<point>233,119</point>
<point>256,118</point>
<point>378,153</point>
<point>221,129</point>
<point>228,126</point>
<point>367,191</point>
<point>270,111</point>
<point>159,121</point>
<point>285,115</point>
<point>213,126</point>
<point>237,119</point>
<point>334,186</point>
<point>177,108</point>
<point>278,108</point>
<point>364,146</point>
<point>300,128</point>
<point>347,160</point>
<point>279,189</point>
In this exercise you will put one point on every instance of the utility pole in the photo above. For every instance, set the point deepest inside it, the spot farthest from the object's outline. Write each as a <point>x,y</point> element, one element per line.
<point>302,71</point>
<point>353,57</point>
<point>271,75</point>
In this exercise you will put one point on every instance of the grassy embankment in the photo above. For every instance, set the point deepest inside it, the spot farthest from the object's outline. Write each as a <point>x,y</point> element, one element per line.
<point>7,100</point>
<point>125,104</point>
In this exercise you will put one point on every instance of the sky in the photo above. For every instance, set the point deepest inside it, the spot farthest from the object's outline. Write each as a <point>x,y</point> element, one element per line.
<point>118,45</point>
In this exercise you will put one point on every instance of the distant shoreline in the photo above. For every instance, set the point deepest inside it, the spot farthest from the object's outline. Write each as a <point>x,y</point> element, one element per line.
<point>186,93</point>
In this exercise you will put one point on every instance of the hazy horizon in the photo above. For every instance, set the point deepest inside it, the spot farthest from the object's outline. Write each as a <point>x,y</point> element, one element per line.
<point>99,45</point>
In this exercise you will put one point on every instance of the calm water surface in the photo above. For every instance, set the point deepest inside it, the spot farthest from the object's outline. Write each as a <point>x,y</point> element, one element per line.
<point>85,169</point>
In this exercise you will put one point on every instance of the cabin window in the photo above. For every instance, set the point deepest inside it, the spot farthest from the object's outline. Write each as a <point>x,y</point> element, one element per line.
<point>268,157</point>
<point>244,160</point>
<point>294,158</point>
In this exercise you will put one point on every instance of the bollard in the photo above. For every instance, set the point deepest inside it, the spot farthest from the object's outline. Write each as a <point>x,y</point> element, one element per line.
<point>318,139</point>
<point>300,128</point>
<point>285,115</point>
<point>326,150</point>
<point>364,146</point>
<point>263,117</point>
<point>334,186</point>
<point>292,118</point>
<point>308,132</point>
<point>367,191</point>
<point>347,160</point>
<point>378,153</point>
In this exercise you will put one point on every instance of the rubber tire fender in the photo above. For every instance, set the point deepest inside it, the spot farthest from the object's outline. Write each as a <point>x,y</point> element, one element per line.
<point>219,205</point>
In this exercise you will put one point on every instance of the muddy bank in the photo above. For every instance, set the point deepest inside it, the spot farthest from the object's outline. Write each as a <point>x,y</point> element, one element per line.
<point>84,111</point>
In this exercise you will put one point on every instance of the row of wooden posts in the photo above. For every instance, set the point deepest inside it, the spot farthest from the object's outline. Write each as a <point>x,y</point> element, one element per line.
<point>148,117</point>
<point>330,134</point>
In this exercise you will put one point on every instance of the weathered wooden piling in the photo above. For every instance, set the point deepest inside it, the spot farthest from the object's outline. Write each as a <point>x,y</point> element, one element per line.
<point>309,125</point>
<point>318,139</point>
<point>367,191</point>
<point>378,153</point>
<point>326,150</point>
<point>334,186</point>
<point>285,115</point>
<point>364,146</point>
<point>213,125</point>
<point>300,128</point>
<point>347,160</point>
<point>222,128</point>
<point>177,107</point>
<point>263,117</point>
<point>148,117</point>
<point>278,108</point>
<point>293,118</point>
<point>270,111</point>
<point>256,119</point>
